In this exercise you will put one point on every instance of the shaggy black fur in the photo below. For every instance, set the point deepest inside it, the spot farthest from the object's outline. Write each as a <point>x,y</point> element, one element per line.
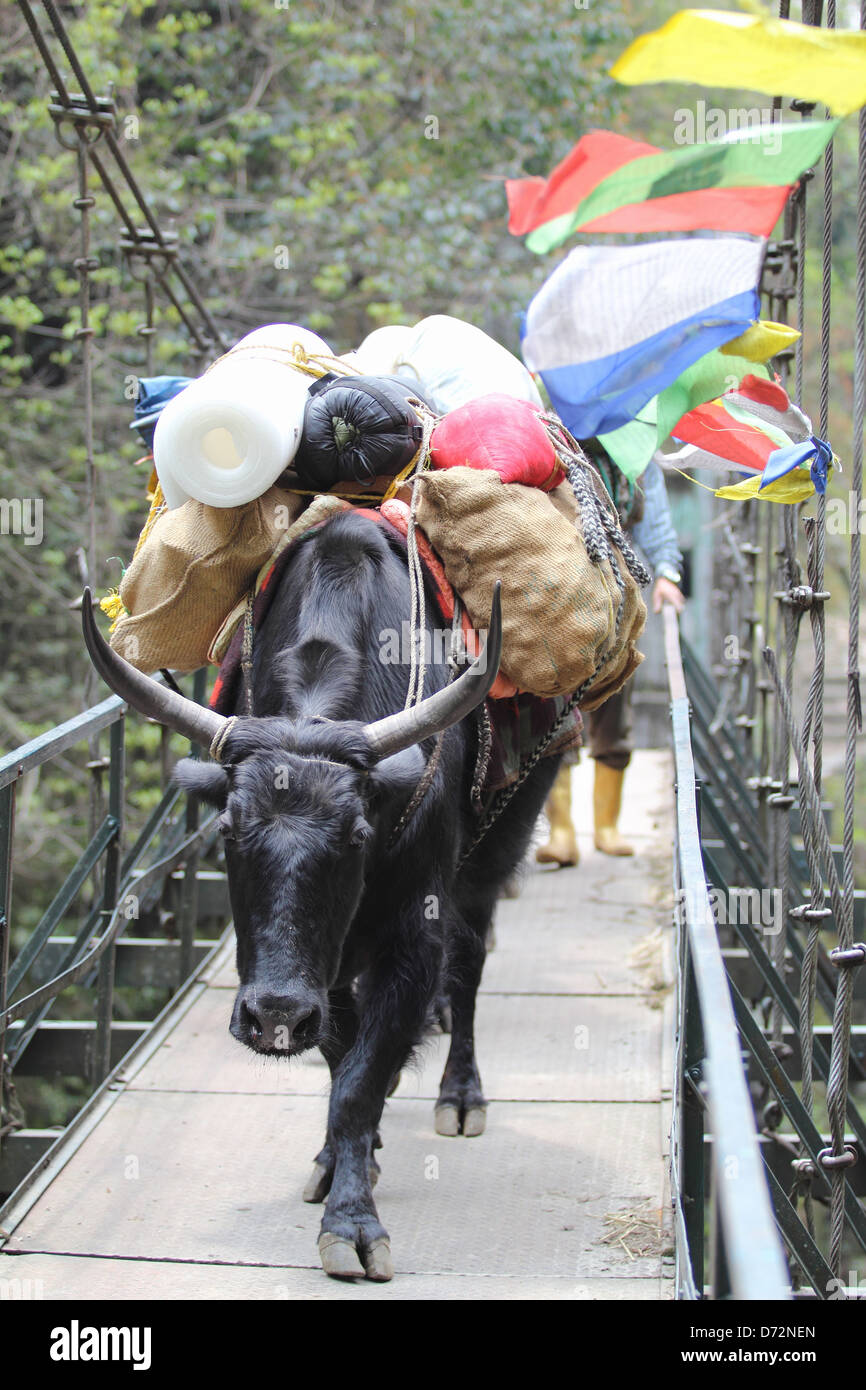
<point>344,942</point>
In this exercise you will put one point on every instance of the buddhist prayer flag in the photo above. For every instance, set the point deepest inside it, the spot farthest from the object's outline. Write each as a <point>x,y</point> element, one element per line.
<point>746,426</point>
<point>726,430</point>
<point>609,183</point>
<point>757,427</point>
<point>777,56</point>
<point>813,453</point>
<point>739,443</point>
<point>632,447</point>
<point>762,340</point>
<point>794,487</point>
<point>792,474</point>
<point>614,325</point>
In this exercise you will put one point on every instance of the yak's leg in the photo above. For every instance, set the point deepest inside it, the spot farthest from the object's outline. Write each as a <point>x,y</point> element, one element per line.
<point>343,1030</point>
<point>461,1107</point>
<point>353,1241</point>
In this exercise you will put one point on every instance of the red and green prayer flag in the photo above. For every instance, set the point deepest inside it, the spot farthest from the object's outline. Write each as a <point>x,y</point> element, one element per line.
<point>610,183</point>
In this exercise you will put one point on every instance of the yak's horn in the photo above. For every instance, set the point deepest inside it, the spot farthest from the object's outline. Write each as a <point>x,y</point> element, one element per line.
<point>448,705</point>
<point>196,723</point>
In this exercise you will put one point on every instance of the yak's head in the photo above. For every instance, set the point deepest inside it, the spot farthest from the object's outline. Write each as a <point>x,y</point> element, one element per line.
<point>300,807</point>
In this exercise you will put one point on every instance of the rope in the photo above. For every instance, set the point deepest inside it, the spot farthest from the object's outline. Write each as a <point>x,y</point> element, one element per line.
<point>418,618</point>
<point>816,534</point>
<point>247,651</point>
<point>847,958</point>
<point>418,612</point>
<point>426,779</point>
<point>482,757</point>
<point>424,784</point>
<point>315,364</point>
<point>503,797</point>
<point>813,723</point>
<point>218,742</point>
<point>599,519</point>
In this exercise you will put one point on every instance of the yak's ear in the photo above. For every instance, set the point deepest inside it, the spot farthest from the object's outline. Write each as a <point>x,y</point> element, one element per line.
<point>398,774</point>
<point>205,780</point>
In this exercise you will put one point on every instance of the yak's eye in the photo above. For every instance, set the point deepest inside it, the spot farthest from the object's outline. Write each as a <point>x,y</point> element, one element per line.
<point>225,826</point>
<point>360,832</point>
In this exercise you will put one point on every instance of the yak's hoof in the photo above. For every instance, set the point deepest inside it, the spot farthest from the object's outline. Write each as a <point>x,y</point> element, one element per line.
<point>378,1262</point>
<point>447,1119</point>
<point>474,1121</point>
<point>319,1182</point>
<point>451,1121</point>
<point>340,1259</point>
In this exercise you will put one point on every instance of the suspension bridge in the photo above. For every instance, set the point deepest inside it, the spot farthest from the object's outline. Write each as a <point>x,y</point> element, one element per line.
<point>566,1187</point>
<point>675,1095</point>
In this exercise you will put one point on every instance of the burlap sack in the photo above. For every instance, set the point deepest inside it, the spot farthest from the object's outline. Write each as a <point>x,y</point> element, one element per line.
<point>195,565</point>
<point>558,607</point>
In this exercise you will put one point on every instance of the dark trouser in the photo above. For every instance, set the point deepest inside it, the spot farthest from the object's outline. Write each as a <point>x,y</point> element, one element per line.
<point>610,730</point>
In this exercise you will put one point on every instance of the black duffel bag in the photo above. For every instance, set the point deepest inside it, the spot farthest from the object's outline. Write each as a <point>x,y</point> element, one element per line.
<point>357,429</point>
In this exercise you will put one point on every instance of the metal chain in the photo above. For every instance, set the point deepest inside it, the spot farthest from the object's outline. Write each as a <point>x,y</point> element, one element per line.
<point>503,797</point>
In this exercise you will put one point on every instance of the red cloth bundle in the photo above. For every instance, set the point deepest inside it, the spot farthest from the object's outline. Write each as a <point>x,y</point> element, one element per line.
<point>502,433</point>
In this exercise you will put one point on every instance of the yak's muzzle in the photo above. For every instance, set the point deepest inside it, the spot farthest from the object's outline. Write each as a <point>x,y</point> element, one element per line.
<point>278,1024</point>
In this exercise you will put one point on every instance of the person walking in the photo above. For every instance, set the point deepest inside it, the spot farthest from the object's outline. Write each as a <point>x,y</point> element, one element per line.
<point>645,513</point>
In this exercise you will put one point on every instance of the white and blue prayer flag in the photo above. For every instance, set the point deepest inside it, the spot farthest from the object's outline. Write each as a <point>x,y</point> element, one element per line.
<point>614,325</point>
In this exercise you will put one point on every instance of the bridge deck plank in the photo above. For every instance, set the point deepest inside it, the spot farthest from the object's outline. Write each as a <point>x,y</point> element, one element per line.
<point>190,1185</point>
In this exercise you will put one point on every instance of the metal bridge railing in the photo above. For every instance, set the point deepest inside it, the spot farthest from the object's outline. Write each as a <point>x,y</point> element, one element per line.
<point>746,1259</point>
<point>124,883</point>
<point>765,738</point>
<point>86,123</point>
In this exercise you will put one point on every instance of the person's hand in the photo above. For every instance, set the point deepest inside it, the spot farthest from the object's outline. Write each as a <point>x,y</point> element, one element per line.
<point>664,591</point>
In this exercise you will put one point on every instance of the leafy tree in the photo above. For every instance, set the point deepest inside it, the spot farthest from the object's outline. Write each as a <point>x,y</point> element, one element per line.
<point>338,164</point>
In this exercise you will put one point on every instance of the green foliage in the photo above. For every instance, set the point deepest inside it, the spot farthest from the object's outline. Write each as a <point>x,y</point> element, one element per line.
<point>338,163</point>
<point>371,141</point>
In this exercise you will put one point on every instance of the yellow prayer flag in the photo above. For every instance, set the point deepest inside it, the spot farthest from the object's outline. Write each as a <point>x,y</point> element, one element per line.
<point>795,486</point>
<point>716,48</point>
<point>762,341</point>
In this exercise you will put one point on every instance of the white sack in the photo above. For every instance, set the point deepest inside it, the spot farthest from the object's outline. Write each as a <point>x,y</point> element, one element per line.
<point>452,362</point>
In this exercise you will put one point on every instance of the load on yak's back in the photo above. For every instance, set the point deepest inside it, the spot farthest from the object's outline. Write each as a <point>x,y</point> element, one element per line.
<point>437,431</point>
